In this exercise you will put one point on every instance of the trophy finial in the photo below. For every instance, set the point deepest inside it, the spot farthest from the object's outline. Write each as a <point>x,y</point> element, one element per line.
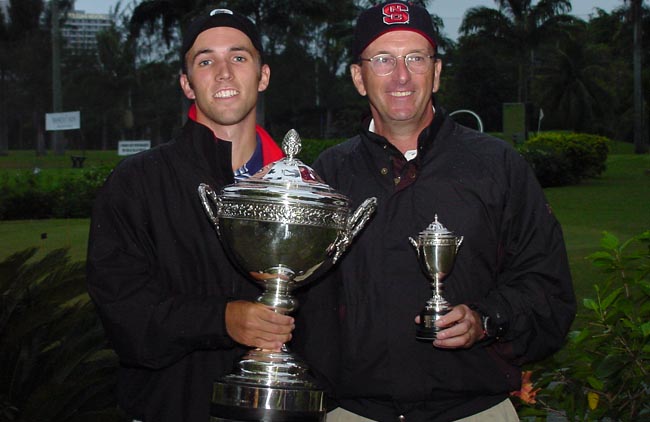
<point>436,227</point>
<point>291,145</point>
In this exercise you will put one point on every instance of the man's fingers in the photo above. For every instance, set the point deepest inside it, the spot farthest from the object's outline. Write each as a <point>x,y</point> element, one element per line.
<point>255,325</point>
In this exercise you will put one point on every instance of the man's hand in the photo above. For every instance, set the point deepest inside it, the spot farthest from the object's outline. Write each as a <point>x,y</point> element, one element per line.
<point>256,325</point>
<point>462,328</point>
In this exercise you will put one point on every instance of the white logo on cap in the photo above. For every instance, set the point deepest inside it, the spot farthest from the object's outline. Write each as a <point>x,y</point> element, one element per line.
<point>396,13</point>
<point>218,11</point>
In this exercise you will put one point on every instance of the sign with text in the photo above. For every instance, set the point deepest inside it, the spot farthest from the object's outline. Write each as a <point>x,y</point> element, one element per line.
<point>132,147</point>
<point>62,121</point>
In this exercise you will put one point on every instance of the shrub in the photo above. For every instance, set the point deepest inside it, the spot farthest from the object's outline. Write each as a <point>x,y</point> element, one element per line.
<point>50,194</point>
<point>603,373</point>
<point>551,166</point>
<point>549,154</point>
<point>311,149</point>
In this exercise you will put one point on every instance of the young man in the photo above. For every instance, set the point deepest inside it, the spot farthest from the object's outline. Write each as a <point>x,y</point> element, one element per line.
<point>174,308</point>
<point>510,284</point>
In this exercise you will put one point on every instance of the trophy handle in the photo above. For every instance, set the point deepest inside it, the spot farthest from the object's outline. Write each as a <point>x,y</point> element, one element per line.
<point>354,225</point>
<point>415,245</point>
<point>460,240</point>
<point>206,192</point>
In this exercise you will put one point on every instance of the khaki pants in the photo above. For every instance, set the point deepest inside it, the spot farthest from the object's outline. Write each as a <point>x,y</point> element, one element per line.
<point>502,412</point>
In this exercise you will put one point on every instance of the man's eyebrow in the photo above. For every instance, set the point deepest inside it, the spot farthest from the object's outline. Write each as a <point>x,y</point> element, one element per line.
<point>231,49</point>
<point>241,48</point>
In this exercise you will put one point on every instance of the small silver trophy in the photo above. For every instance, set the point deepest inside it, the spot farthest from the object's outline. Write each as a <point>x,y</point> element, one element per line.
<point>282,226</point>
<point>437,248</point>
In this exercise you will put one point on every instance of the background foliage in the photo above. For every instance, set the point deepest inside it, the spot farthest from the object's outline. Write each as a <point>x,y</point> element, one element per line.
<point>578,72</point>
<point>603,371</point>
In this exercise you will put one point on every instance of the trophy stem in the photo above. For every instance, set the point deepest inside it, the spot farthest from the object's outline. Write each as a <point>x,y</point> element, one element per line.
<point>278,286</point>
<point>435,308</point>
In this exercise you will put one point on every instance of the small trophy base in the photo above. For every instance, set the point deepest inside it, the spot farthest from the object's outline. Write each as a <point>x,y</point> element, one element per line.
<point>238,402</point>
<point>426,329</point>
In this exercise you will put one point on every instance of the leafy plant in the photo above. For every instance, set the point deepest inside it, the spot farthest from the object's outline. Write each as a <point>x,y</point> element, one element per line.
<point>566,158</point>
<point>55,363</point>
<point>36,195</point>
<point>603,373</point>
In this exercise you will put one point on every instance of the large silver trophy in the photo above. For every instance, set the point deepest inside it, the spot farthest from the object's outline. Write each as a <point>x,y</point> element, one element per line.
<point>282,226</point>
<point>437,248</point>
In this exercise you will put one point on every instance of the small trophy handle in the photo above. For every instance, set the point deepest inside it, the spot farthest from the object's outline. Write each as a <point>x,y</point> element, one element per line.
<point>460,240</point>
<point>206,192</point>
<point>415,245</point>
<point>355,223</point>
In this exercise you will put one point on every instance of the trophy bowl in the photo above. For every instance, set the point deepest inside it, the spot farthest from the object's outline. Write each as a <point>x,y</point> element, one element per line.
<point>282,227</point>
<point>437,248</point>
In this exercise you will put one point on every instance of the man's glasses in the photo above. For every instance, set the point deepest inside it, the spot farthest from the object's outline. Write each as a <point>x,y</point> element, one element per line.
<point>384,64</point>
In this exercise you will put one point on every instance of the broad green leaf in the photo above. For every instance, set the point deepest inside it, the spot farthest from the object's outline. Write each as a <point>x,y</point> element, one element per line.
<point>607,301</point>
<point>590,304</point>
<point>609,241</point>
<point>645,329</point>
<point>595,383</point>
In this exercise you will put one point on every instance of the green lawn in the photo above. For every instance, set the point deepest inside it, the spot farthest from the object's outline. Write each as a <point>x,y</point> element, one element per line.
<point>618,202</point>
<point>47,235</point>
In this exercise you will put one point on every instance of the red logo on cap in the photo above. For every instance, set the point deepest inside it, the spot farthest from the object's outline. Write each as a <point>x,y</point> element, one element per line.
<point>396,13</point>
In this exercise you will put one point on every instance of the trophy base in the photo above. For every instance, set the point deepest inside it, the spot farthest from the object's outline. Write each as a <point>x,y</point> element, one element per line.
<point>426,329</point>
<point>238,402</point>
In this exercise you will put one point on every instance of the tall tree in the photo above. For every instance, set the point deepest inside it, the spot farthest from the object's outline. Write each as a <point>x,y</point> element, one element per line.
<point>518,27</point>
<point>571,84</point>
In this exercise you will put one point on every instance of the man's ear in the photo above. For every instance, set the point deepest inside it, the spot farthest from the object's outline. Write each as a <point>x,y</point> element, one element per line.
<point>265,78</point>
<point>186,86</point>
<point>437,69</point>
<point>357,79</point>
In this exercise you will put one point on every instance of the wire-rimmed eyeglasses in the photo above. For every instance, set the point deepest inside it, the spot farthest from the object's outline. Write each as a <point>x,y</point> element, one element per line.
<point>384,64</point>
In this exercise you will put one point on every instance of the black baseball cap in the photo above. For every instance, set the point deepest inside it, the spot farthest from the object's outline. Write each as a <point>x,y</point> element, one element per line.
<point>217,18</point>
<point>391,16</point>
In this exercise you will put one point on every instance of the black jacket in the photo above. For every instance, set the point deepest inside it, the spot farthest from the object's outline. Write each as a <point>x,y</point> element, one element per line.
<point>161,279</point>
<point>512,264</point>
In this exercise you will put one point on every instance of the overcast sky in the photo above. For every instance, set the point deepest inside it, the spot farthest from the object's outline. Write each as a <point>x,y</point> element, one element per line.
<point>451,11</point>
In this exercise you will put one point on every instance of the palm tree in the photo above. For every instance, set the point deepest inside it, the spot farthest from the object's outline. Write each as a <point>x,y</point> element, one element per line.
<point>518,27</point>
<point>55,362</point>
<point>163,15</point>
<point>572,81</point>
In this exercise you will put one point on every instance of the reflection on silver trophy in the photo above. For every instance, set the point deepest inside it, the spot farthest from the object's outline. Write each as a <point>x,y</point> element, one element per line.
<point>283,227</point>
<point>437,248</point>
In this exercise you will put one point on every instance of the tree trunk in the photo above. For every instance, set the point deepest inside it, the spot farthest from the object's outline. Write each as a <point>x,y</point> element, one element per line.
<point>58,144</point>
<point>640,144</point>
<point>4,130</point>
<point>40,134</point>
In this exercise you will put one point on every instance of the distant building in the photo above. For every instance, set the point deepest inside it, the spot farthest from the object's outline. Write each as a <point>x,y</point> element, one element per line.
<point>4,6</point>
<point>80,29</point>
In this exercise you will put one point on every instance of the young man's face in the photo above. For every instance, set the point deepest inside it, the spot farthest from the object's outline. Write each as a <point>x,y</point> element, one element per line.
<point>401,96</point>
<point>224,77</point>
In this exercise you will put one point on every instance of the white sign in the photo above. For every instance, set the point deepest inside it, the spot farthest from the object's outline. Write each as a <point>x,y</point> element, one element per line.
<point>132,147</point>
<point>62,121</point>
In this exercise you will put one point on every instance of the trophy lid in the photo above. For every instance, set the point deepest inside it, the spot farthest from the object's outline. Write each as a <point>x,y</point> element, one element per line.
<point>436,229</point>
<point>287,179</point>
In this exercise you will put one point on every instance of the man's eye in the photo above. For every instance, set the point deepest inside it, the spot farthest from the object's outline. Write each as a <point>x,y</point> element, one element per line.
<point>239,59</point>
<point>416,58</point>
<point>383,60</point>
<point>204,62</point>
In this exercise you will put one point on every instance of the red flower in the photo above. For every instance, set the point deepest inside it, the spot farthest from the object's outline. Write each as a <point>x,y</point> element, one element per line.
<point>527,393</point>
